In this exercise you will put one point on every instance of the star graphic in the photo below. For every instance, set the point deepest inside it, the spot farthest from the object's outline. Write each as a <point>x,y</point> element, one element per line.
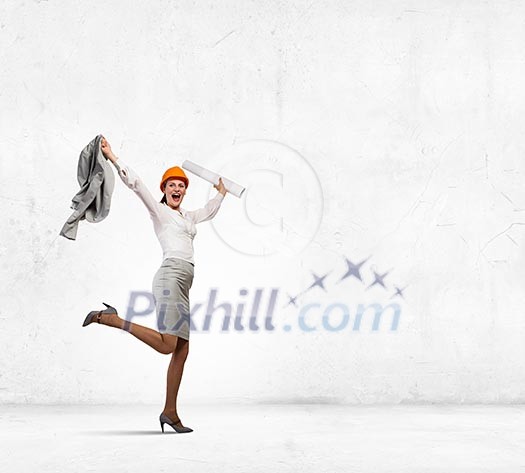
<point>399,292</point>
<point>318,281</point>
<point>292,300</point>
<point>378,279</point>
<point>353,269</point>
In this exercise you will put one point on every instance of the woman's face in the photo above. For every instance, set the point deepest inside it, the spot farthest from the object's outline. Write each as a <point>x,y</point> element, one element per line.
<point>175,190</point>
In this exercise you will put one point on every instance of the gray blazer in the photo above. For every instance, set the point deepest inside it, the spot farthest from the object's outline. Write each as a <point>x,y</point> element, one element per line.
<point>97,181</point>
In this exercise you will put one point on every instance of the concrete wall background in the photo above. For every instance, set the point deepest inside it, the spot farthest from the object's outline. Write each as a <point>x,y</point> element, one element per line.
<point>383,130</point>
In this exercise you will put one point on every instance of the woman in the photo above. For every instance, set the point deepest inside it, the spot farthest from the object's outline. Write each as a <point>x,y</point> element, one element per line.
<point>175,229</point>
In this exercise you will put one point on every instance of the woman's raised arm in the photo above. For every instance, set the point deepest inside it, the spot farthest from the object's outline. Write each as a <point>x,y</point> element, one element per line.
<point>130,178</point>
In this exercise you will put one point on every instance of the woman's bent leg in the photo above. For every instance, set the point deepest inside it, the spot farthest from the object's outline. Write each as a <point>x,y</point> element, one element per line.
<point>163,343</point>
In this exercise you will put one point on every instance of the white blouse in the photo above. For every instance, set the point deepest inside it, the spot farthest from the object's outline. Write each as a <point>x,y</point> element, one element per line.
<point>175,230</point>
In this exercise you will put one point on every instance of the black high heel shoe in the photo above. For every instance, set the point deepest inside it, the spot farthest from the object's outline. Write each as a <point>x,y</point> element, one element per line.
<point>164,419</point>
<point>94,315</point>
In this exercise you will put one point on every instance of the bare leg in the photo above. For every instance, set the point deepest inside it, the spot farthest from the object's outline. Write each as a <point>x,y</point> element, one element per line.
<point>175,369</point>
<point>163,343</point>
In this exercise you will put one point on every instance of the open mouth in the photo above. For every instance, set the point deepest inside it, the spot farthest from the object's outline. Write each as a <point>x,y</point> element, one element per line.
<point>175,196</point>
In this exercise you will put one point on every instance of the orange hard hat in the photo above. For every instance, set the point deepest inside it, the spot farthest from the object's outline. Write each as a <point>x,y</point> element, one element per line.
<point>174,172</point>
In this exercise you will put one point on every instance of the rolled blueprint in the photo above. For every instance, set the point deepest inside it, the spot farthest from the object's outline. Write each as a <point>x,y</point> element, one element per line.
<point>212,177</point>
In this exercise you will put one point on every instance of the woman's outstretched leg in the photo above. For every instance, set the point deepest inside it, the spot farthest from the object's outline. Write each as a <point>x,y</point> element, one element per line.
<point>175,369</point>
<point>163,343</point>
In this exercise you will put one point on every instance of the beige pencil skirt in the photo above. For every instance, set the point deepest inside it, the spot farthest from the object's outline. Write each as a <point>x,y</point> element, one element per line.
<point>170,288</point>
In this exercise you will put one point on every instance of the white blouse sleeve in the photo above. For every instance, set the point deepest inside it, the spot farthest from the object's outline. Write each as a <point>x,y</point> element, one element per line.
<point>134,182</point>
<point>208,211</point>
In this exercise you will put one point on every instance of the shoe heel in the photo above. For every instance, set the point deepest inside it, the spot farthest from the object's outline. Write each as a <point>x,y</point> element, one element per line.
<point>110,309</point>
<point>166,420</point>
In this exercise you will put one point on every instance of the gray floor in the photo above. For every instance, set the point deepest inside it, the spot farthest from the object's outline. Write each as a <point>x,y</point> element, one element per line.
<point>265,438</point>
